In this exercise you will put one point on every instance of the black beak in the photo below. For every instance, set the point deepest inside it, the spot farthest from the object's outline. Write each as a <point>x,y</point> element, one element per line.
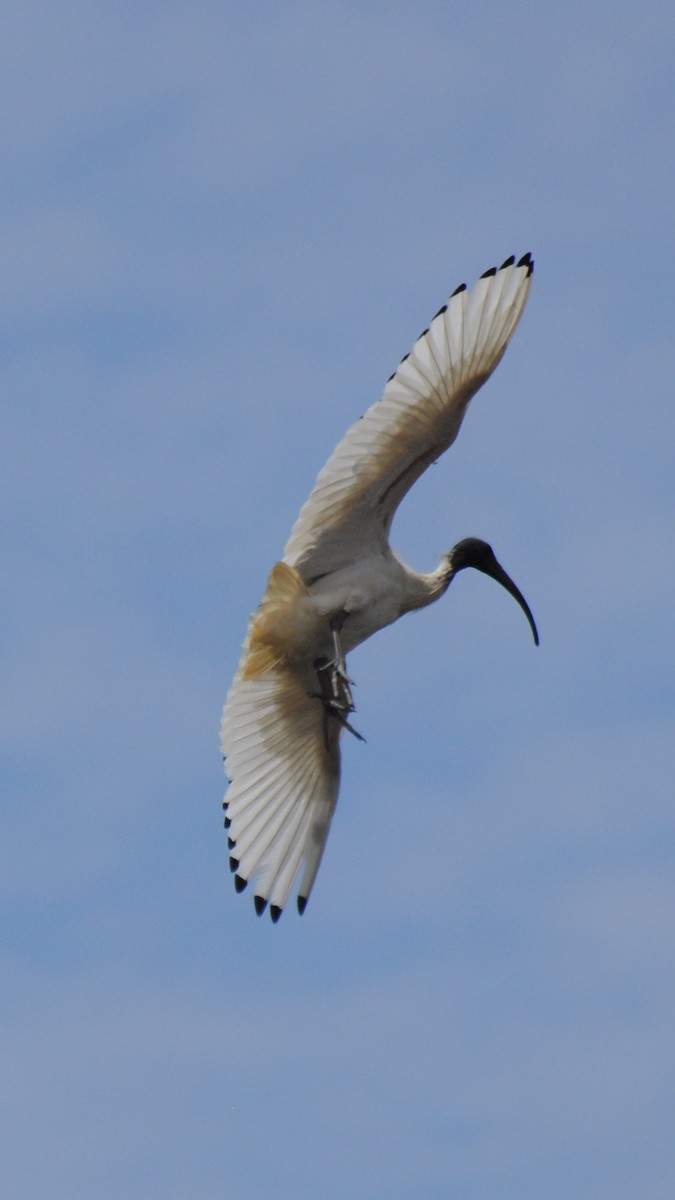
<point>474,553</point>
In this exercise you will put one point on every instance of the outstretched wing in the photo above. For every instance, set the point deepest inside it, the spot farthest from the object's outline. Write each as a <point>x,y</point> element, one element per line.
<point>349,512</point>
<point>282,758</point>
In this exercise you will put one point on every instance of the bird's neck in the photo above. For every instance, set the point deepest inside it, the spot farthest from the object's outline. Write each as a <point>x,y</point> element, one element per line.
<point>428,588</point>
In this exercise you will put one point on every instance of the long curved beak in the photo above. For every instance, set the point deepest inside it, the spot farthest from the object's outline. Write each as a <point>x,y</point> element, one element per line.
<point>489,566</point>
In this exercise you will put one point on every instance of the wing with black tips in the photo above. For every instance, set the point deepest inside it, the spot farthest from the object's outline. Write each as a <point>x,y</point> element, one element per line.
<point>349,512</point>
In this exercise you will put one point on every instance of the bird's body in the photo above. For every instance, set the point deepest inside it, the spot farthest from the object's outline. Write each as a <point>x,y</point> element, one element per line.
<point>340,582</point>
<point>371,599</point>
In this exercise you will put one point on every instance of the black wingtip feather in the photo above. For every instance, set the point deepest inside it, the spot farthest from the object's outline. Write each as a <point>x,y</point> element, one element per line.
<point>260,905</point>
<point>234,863</point>
<point>302,904</point>
<point>275,912</point>
<point>239,883</point>
<point>527,261</point>
<point>231,843</point>
<point>227,822</point>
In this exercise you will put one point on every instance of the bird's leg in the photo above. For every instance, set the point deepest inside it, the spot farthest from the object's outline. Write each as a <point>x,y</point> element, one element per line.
<point>335,696</point>
<point>334,682</point>
<point>338,667</point>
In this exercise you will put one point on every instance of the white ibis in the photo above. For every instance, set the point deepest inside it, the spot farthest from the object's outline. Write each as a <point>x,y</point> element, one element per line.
<point>339,582</point>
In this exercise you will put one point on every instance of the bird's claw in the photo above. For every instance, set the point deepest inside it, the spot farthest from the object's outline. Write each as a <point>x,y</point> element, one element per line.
<point>332,710</point>
<point>335,693</point>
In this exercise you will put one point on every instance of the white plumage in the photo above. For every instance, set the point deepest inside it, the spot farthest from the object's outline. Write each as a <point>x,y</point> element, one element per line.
<point>339,582</point>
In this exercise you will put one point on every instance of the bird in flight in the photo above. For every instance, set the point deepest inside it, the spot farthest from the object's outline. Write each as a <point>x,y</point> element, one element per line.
<point>339,582</point>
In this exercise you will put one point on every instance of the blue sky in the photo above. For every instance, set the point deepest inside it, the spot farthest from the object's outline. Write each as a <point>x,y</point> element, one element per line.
<point>222,226</point>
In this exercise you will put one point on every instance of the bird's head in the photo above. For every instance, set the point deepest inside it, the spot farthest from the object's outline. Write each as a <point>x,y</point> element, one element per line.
<point>472,552</point>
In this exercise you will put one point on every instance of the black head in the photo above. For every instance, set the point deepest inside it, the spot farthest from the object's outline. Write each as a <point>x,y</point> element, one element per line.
<point>472,552</point>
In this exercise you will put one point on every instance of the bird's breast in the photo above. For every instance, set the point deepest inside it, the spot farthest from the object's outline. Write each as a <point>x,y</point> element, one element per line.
<point>365,597</point>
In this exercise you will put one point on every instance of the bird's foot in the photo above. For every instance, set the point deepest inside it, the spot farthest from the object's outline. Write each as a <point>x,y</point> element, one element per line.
<point>335,693</point>
<point>337,713</point>
<point>334,683</point>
